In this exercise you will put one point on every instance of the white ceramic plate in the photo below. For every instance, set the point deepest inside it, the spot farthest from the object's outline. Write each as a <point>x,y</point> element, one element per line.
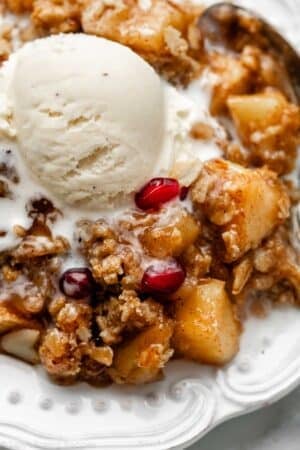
<point>191,400</point>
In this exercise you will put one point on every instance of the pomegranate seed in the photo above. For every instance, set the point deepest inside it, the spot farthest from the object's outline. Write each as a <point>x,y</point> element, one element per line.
<point>77,283</point>
<point>164,278</point>
<point>183,193</point>
<point>157,192</point>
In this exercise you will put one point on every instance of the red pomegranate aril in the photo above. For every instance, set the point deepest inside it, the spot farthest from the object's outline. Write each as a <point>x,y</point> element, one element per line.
<point>156,192</point>
<point>183,192</point>
<point>77,283</point>
<point>165,278</point>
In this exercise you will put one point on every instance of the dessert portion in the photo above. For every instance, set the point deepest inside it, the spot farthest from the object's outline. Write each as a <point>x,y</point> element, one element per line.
<point>140,222</point>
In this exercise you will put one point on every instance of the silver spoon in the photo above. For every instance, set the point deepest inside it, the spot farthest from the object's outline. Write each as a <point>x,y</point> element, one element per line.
<point>232,27</point>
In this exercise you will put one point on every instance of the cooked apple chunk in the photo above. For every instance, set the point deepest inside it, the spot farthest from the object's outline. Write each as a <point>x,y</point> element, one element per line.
<point>161,240</point>
<point>141,359</point>
<point>269,126</point>
<point>245,204</point>
<point>205,326</point>
<point>10,320</point>
<point>22,344</point>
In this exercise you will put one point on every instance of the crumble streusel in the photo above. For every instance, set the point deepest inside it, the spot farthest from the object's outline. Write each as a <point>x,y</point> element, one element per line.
<point>176,274</point>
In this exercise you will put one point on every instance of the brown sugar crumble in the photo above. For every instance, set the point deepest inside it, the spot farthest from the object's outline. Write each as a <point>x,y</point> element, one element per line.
<point>227,249</point>
<point>5,42</point>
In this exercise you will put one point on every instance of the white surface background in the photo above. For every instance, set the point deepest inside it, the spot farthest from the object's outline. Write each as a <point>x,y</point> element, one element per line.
<point>276,427</point>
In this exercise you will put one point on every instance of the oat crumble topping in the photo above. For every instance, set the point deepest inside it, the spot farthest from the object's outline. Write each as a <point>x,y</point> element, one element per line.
<point>231,241</point>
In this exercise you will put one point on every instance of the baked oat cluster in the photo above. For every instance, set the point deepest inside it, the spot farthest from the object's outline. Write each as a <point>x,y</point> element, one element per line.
<point>178,273</point>
<point>163,32</point>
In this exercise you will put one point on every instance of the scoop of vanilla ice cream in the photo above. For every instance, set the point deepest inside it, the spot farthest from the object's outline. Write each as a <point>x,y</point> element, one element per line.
<point>93,121</point>
<point>89,116</point>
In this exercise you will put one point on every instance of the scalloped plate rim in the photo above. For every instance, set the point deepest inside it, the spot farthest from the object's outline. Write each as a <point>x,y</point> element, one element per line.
<point>15,445</point>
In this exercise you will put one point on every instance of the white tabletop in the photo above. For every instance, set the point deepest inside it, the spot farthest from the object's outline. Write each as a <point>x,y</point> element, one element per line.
<point>276,427</point>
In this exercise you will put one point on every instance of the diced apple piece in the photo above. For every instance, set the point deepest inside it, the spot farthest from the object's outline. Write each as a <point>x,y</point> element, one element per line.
<point>141,359</point>
<point>205,326</point>
<point>22,344</point>
<point>246,205</point>
<point>257,111</point>
<point>9,320</point>
<point>268,126</point>
<point>171,239</point>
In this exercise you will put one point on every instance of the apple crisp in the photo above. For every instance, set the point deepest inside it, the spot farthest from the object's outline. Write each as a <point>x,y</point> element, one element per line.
<point>175,274</point>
